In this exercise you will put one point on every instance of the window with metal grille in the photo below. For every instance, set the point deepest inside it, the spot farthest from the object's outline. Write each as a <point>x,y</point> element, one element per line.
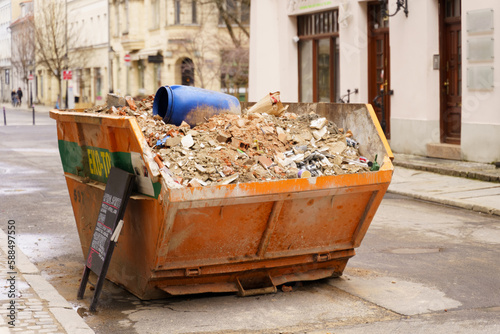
<point>319,23</point>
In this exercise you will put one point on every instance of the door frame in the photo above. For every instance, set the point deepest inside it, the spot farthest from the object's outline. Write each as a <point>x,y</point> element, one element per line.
<point>443,75</point>
<point>373,89</point>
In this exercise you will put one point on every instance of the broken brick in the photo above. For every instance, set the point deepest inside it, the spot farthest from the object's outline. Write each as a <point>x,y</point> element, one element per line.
<point>131,103</point>
<point>223,137</point>
<point>282,136</point>
<point>239,144</point>
<point>265,161</point>
<point>260,147</point>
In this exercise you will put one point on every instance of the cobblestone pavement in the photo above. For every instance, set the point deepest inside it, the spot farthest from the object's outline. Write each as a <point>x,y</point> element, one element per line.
<point>30,313</point>
<point>28,303</point>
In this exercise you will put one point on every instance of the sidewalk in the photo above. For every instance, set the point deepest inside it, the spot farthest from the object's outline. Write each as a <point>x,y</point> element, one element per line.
<point>37,307</point>
<point>23,115</point>
<point>24,107</point>
<point>467,185</point>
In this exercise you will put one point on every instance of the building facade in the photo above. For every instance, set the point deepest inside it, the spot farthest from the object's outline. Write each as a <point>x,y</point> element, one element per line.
<point>23,52</point>
<point>84,38</point>
<point>133,47</point>
<point>167,42</point>
<point>5,50</point>
<point>428,68</point>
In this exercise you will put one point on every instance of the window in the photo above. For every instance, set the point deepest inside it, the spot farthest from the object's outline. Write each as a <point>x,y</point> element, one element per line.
<point>165,19</point>
<point>157,75</point>
<point>155,14</point>
<point>127,17</point>
<point>319,57</point>
<point>177,19</point>
<point>187,72</point>
<point>452,8</point>
<point>193,12</point>
<point>117,20</point>
<point>98,83</point>
<point>41,84</point>
<point>140,67</point>
<point>245,12</point>
<point>7,77</point>
<point>237,10</point>
<point>306,70</point>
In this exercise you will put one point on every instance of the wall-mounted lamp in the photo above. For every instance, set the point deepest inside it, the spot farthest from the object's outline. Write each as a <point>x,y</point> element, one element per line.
<point>399,3</point>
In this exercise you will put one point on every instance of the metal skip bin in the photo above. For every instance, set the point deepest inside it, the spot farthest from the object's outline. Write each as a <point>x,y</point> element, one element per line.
<point>246,237</point>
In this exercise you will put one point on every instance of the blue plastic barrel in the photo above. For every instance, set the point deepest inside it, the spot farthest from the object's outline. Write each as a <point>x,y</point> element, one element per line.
<point>193,105</point>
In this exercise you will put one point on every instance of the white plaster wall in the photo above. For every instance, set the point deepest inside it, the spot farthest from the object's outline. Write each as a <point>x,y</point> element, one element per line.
<point>481,109</point>
<point>415,104</point>
<point>481,142</point>
<point>273,53</point>
<point>353,49</point>
<point>410,136</point>
<point>413,41</point>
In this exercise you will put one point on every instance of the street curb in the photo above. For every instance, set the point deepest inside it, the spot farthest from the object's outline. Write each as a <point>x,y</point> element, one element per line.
<point>68,318</point>
<point>449,202</point>
<point>474,175</point>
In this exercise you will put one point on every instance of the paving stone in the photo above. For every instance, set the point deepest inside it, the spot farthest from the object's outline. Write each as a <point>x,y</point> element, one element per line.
<point>35,308</point>
<point>45,321</point>
<point>34,327</point>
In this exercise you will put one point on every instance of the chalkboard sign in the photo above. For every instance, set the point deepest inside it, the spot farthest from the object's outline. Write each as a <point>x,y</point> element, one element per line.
<point>114,202</point>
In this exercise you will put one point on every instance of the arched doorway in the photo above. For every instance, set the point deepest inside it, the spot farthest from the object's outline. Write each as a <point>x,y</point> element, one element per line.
<point>187,72</point>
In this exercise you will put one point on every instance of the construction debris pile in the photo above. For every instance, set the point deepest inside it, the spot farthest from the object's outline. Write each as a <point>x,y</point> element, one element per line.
<point>250,147</point>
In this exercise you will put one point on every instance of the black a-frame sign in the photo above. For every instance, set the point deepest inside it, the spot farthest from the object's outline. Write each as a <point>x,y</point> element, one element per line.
<point>108,226</point>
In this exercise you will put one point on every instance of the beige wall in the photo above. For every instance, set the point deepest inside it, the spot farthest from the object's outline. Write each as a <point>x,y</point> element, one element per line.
<point>353,51</point>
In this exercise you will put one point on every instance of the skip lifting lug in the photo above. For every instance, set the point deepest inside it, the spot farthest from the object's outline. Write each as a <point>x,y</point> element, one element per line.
<point>193,272</point>
<point>322,257</point>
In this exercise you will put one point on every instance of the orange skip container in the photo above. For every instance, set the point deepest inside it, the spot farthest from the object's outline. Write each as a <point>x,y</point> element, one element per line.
<point>245,238</point>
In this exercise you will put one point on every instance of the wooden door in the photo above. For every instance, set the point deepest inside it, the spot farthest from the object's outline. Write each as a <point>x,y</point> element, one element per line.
<point>379,82</point>
<point>451,71</point>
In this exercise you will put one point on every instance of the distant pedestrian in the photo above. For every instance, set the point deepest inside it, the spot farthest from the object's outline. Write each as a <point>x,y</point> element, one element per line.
<point>13,96</point>
<point>19,95</point>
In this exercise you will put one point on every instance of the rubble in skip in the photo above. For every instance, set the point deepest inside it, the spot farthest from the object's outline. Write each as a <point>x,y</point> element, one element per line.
<point>250,147</point>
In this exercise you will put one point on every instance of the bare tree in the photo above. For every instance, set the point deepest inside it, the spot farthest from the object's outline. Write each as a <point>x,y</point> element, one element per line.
<point>53,39</point>
<point>220,57</point>
<point>203,51</point>
<point>233,13</point>
<point>234,69</point>
<point>23,49</point>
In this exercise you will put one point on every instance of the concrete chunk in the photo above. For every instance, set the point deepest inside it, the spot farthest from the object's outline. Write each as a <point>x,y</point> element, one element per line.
<point>113,100</point>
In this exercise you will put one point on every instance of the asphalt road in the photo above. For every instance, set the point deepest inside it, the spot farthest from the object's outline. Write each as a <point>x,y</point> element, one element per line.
<point>422,268</point>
